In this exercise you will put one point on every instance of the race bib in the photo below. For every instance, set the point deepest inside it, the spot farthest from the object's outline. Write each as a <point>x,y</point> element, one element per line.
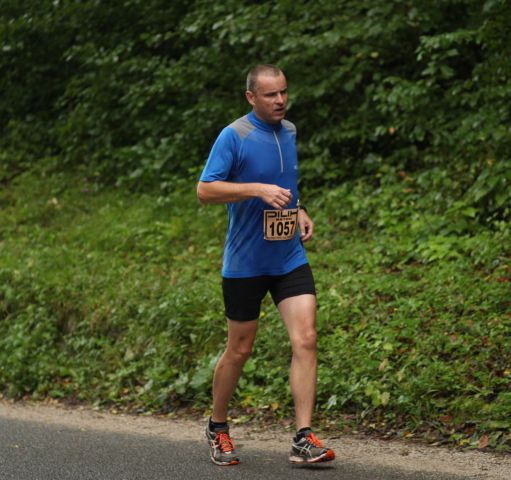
<point>280,224</point>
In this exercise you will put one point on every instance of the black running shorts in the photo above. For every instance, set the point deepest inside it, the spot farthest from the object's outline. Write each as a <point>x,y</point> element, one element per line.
<point>243,296</point>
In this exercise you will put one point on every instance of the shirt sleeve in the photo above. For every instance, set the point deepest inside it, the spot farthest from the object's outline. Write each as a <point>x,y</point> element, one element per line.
<point>223,157</point>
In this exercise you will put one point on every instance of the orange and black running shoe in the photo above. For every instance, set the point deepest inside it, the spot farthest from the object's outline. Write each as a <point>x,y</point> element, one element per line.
<point>309,449</point>
<point>222,451</point>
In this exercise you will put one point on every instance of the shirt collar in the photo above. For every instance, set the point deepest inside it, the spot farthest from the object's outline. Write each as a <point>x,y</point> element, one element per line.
<point>269,127</point>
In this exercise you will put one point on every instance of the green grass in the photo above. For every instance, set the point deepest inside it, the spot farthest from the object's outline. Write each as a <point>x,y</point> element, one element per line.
<point>114,298</point>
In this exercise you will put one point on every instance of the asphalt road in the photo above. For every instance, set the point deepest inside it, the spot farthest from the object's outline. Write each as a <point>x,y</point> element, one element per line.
<point>37,451</point>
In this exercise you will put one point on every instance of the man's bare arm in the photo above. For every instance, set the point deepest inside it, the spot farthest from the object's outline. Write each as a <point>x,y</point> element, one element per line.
<point>222,192</point>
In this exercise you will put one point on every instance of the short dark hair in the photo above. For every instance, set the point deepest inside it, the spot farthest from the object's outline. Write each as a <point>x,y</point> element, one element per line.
<point>261,69</point>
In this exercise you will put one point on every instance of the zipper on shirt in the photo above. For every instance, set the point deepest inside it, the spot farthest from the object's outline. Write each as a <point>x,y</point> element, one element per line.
<point>280,152</point>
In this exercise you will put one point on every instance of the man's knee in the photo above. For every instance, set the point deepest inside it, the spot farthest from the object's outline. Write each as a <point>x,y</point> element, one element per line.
<point>305,341</point>
<point>239,354</point>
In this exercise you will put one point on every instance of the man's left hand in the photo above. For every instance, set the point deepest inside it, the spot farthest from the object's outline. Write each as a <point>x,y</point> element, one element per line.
<point>306,225</point>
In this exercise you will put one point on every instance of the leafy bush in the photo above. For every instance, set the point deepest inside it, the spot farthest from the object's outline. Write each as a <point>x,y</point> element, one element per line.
<point>114,298</point>
<point>136,91</point>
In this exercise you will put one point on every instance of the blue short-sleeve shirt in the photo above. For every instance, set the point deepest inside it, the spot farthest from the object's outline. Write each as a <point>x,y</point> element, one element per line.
<point>251,150</point>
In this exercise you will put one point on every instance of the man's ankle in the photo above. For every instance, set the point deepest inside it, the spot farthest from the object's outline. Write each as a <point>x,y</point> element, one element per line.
<point>303,432</point>
<point>215,426</point>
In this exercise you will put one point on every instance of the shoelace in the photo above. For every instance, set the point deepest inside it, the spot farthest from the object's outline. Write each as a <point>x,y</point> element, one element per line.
<point>224,442</point>
<point>314,440</point>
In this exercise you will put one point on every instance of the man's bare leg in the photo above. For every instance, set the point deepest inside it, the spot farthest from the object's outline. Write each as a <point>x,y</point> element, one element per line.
<point>299,316</point>
<point>240,338</point>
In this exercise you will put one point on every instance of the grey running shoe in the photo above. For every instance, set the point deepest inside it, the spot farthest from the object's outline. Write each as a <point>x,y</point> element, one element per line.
<point>222,450</point>
<point>309,449</point>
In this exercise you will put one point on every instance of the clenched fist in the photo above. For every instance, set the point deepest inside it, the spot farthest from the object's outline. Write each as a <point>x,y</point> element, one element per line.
<point>275,196</point>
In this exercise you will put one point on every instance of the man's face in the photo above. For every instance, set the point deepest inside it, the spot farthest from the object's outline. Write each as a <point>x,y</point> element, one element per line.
<point>269,99</point>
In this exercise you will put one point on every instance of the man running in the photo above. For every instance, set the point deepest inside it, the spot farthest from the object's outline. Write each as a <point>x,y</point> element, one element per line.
<point>253,168</point>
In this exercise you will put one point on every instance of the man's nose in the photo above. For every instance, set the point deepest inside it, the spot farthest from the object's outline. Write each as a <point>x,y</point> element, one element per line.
<point>280,98</point>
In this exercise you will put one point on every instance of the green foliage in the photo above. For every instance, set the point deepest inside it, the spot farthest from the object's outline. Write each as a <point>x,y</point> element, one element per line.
<point>114,299</point>
<point>93,298</point>
<point>136,91</point>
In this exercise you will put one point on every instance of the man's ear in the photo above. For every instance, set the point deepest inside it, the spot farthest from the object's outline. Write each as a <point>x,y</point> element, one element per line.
<point>250,96</point>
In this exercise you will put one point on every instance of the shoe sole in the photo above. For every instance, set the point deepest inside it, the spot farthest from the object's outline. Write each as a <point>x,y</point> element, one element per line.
<point>326,457</point>
<point>224,464</point>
